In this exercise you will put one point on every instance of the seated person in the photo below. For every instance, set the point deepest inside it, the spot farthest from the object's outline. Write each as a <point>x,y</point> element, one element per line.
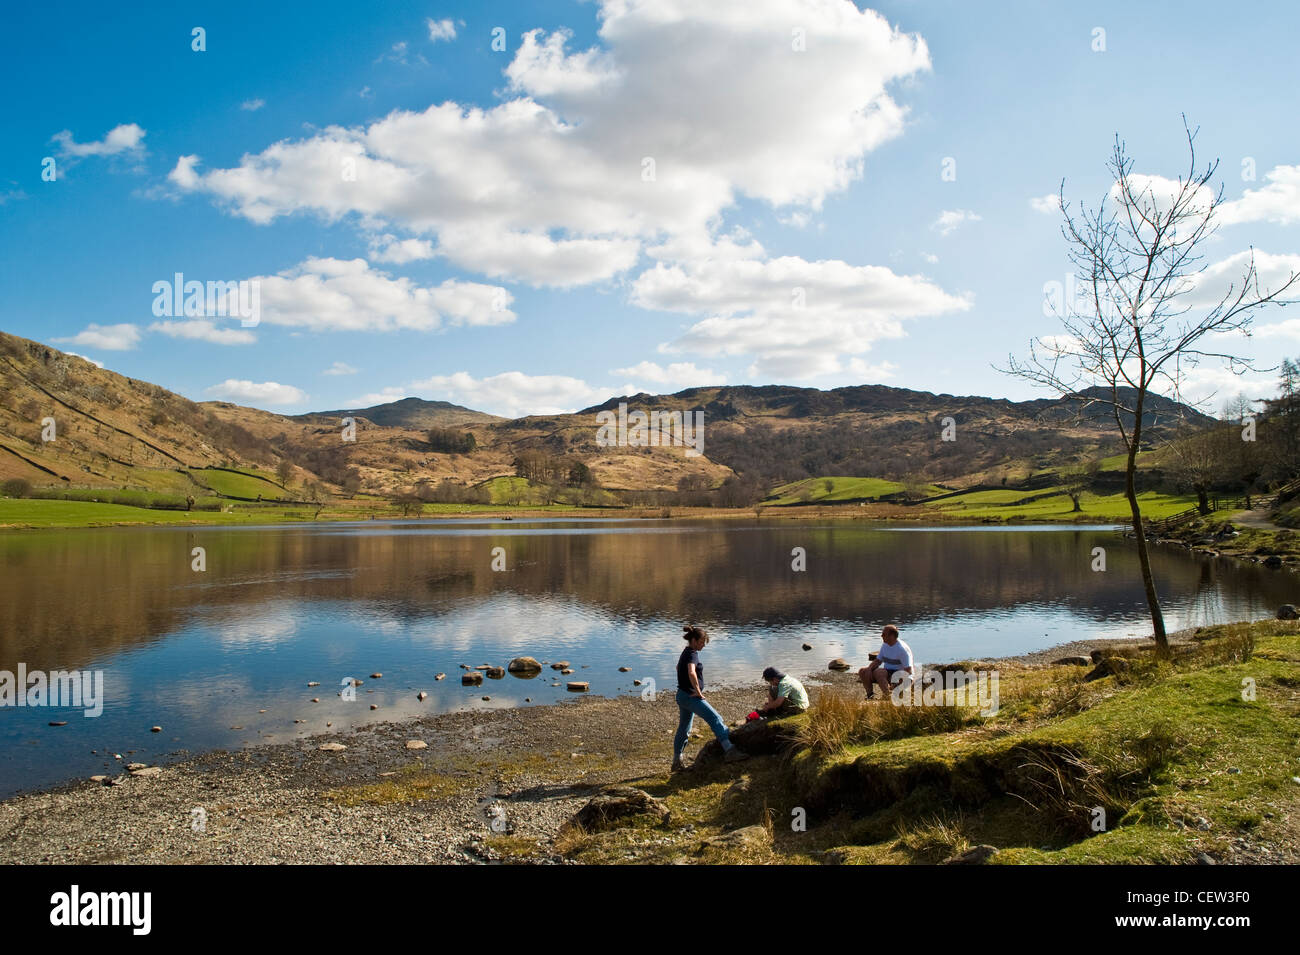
<point>894,657</point>
<point>785,695</point>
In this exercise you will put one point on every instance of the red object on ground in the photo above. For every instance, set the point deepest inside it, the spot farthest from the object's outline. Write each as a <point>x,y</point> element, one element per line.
<point>753,715</point>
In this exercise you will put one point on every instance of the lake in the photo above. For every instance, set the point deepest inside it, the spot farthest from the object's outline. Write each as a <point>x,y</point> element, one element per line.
<point>202,653</point>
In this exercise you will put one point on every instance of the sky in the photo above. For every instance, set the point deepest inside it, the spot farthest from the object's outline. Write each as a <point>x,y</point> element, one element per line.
<point>531,208</point>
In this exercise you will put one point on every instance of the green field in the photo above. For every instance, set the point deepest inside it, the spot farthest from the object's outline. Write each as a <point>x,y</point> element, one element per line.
<point>247,484</point>
<point>1001,505</point>
<point>34,513</point>
<point>842,489</point>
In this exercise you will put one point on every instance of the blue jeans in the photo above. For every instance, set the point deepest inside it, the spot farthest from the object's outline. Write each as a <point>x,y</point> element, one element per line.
<point>689,707</point>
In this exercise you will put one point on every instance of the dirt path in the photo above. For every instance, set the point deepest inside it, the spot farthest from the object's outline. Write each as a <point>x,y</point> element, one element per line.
<point>1254,519</point>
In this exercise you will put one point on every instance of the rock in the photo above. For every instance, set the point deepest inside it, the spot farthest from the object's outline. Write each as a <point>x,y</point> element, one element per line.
<point>376,676</point>
<point>750,837</point>
<point>976,855</point>
<point>624,669</point>
<point>759,738</point>
<point>496,673</point>
<point>837,664</point>
<point>1273,561</point>
<point>422,695</point>
<point>487,699</point>
<point>566,671</point>
<point>807,646</point>
<point>440,676</point>
<point>374,706</point>
<point>416,744</point>
<point>99,779</point>
<point>1073,662</point>
<point>313,684</point>
<point>1287,612</point>
<point>1097,655</point>
<point>615,803</point>
<point>332,747</point>
<point>471,679</point>
<point>483,666</point>
<point>147,771</point>
<point>1205,859</point>
<point>1108,666</point>
<point>636,682</point>
<point>155,729</point>
<point>524,667</point>
<point>575,686</point>
<point>132,767</point>
<point>560,666</point>
<point>58,722</point>
<point>315,699</point>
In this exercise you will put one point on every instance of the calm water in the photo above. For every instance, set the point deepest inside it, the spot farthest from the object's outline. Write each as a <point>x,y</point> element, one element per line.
<point>201,653</point>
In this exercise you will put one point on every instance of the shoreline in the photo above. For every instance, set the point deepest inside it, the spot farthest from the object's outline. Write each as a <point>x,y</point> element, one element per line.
<point>378,800</point>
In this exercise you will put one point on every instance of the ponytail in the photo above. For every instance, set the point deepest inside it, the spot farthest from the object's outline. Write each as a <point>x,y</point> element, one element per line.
<point>692,632</point>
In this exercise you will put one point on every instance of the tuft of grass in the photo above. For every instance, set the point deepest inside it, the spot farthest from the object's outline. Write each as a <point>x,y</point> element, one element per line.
<point>837,718</point>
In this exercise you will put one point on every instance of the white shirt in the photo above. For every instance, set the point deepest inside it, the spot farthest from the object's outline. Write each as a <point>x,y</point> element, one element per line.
<point>899,655</point>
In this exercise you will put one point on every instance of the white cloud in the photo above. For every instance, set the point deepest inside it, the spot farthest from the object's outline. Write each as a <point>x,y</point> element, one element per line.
<point>339,368</point>
<point>252,105</point>
<point>1049,203</point>
<point>205,331</point>
<point>96,363</point>
<point>349,295</point>
<point>677,375</point>
<point>882,371</point>
<point>389,248</point>
<point>265,392</point>
<point>930,257</point>
<point>950,219</point>
<point>440,29</point>
<point>547,187</point>
<point>125,138</point>
<point>122,337</point>
<point>1278,202</point>
<point>797,318</point>
<point>1209,286</point>
<point>510,394</point>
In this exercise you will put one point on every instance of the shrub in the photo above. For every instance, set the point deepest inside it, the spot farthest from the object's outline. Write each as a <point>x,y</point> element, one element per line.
<point>17,487</point>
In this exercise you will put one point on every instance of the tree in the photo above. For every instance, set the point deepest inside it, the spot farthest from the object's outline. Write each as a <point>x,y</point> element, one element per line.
<point>284,471</point>
<point>1146,316</point>
<point>1197,461</point>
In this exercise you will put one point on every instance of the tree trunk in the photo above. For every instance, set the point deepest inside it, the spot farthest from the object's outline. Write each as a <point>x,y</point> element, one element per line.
<point>1203,500</point>
<point>1144,558</point>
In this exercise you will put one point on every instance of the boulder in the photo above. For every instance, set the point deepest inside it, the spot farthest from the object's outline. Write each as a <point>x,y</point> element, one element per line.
<point>524,667</point>
<point>616,803</point>
<point>496,673</point>
<point>1108,666</point>
<point>1097,655</point>
<point>757,738</point>
<point>560,666</point>
<point>1273,561</point>
<point>1073,662</point>
<point>416,744</point>
<point>422,696</point>
<point>837,664</point>
<point>440,676</point>
<point>976,855</point>
<point>1287,612</point>
<point>807,646</point>
<point>147,771</point>
<point>332,747</point>
<point>471,678</point>
<point>576,686</point>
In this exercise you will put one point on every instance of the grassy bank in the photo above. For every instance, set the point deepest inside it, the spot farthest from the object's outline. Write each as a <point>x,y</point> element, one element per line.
<point>1179,760</point>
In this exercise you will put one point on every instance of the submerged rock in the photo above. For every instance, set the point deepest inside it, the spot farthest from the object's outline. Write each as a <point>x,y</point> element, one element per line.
<point>471,679</point>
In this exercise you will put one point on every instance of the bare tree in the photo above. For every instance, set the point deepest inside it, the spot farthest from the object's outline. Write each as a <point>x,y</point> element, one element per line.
<point>1145,318</point>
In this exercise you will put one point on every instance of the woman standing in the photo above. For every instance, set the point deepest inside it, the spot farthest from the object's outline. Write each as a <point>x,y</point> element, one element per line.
<point>691,702</point>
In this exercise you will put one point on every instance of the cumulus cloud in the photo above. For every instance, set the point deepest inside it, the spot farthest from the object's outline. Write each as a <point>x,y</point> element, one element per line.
<point>389,248</point>
<point>122,337</point>
<point>678,375</point>
<point>205,331</point>
<point>339,368</point>
<point>252,105</point>
<point>1278,202</point>
<point>1049,203</point>
<point>510,394</point>
<point>552,186</point>
<point>950,219</point>
<point>798,319</point>
<point>348,295</point>
<point>120,139</point>
<point>254,392</point>
<point>1208,287</point>
<point>440,29</point>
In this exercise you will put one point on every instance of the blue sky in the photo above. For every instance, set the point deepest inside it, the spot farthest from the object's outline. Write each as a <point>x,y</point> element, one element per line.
<point>499,244</point>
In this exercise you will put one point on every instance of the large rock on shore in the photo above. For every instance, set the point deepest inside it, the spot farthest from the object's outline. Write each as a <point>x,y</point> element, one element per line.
<point>757,738</point>
<point>837,664</point>
<point>1287,612</point>
<point>613,804</point>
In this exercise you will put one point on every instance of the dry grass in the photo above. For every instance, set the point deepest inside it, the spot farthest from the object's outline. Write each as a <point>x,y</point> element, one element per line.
<point>938,837</point>
<point>837,718</point>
